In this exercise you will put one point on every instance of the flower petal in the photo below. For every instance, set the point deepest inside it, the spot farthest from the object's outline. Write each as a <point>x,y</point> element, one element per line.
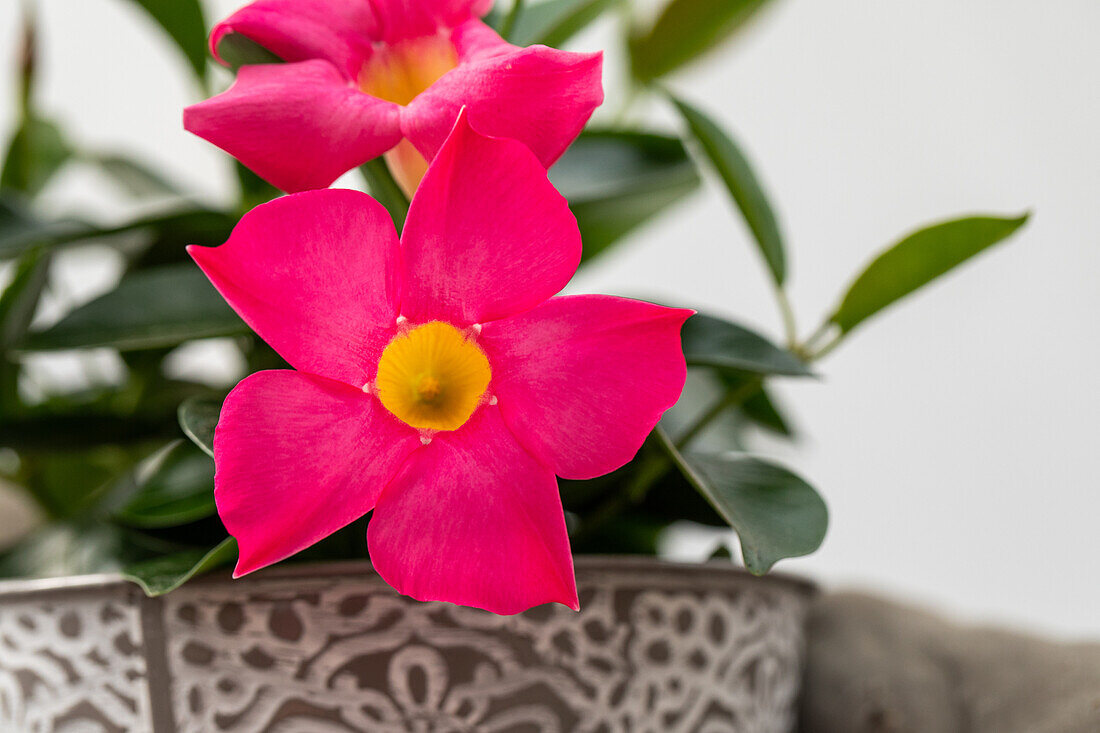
<point>581,380</point>
<point>476,41</point>
<point>487,236</point>
<point>298,457</point>
<point>299,126</point>
<point>538,95</point>
<point>297,30</point>
<point>474,519</point>
<point>317,276</point>
<point>398,19</point>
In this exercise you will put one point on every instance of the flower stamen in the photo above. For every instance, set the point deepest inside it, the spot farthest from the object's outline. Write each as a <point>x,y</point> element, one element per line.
<point>432,377</point>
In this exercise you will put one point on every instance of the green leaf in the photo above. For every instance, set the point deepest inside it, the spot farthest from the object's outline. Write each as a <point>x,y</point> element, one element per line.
<point>762,410</point>
<point>684,30</point>
<point>18,233</point>
<point>36,152</point>
<point>149,309</point>
<point>495,17</point>
<point>616,180</point>
<point>19,300</point>
<point>164,574</point>
<point>775,513</point>
<point>383,187</point>
<point>183,21</point>
<point>64,548</point>
<point>254,190</point>
<point>917,260</point>
<point>175,487</point>
<point>15,216</point>
<point>48,430</point>
<point>133,176</point>
<point>74,484</point>
<point>743,187</point>
<point>18,304</point>
<point>238,50</point>
<point>628,534</point>
<point>198,417</point>
<point>730,348</point>
<point>165,242</point>
<point>553,22</point>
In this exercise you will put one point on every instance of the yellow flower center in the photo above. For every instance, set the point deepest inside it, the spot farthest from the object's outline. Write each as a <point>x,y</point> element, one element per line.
<point>432,377</point>
<point>398,72</point>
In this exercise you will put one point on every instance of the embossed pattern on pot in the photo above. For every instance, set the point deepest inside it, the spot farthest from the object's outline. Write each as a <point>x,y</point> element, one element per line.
<point>73,660</point>
<point>650,651</point>
<point>657,647</point>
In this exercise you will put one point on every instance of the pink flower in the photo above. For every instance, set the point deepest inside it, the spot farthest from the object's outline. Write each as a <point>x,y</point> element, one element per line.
<point>437,382</point>
<point>370,76</point>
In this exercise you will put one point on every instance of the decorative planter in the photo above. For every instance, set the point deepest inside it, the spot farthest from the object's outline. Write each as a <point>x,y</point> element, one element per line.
<point>656,647</point>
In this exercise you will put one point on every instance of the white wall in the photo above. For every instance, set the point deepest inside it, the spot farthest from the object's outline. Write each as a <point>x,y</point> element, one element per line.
<point>954,437</point>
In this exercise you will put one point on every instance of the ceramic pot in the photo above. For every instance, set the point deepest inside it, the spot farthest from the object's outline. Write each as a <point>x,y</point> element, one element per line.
<point>657,646</point>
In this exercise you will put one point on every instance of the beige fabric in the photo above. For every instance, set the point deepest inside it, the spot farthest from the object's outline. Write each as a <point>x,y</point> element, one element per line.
<point>879,667</point>
<point>18,515</point>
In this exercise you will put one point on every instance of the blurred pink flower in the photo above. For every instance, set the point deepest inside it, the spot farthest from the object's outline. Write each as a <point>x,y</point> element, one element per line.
<point>438,381</point>
<point>369,76</point>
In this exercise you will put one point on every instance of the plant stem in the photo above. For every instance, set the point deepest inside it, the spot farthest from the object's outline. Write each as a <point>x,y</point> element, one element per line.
<point>807,348</point>
<point>826,348</point>
<point>510,20</point>
<point>790,328</point>
<point>655,465</point>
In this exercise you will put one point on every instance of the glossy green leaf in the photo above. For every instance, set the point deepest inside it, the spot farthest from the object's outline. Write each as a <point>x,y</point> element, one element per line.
<point>628,534</point>
<point>15,216</point>
<point>553,22</point>
<point>617,180</point>
<point>18,303</point>
<point>742,184</point>
<point>495,17</point>
<point>237,50</point>
<point>198,417</point>
<point>19,300</point>
<point>46,430</point>
<point>775,513</point>
<point>133,176</point>
<point>174,488</point>
<point>183,21</point>
<point>164,574</point>
<point>254,190</point>
<point>17,235</point>
<point>36,152</point>
<point>165,242</point>
<point>684,30</point>
<point>73,482</point>
<point>18,238</point>
<point>721,552</point>
<point>917,260</point>
<point>713,342</point>
<point>63,548</point>
<point>762,410</point>
<point>152,308</point>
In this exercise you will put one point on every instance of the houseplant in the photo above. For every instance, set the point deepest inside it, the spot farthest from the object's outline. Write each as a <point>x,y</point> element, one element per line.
<point>101,463</point>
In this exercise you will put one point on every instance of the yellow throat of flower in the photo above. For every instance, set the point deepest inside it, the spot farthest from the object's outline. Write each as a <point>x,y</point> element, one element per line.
<point>432,377</point>
<point>398,72</point>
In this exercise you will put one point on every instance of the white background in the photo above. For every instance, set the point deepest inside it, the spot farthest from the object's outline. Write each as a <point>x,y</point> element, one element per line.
<point>955,437</point>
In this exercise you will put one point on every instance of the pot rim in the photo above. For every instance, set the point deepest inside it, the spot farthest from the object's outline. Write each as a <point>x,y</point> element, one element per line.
<point>706,574</point>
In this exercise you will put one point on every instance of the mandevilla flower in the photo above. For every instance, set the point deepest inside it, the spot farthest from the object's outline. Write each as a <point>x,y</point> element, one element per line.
<point>371,76</point>
<point>437,382</point>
